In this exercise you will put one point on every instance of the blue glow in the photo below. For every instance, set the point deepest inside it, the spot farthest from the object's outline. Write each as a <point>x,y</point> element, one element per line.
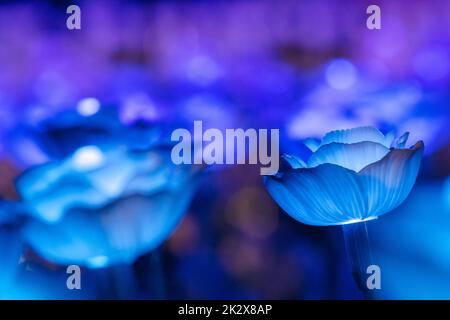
<point>359,220</point>
<point>97,262</point>
<point>138,107</point>
<point>10,244</point>
<point>88,107</point>
<point>341,74</point>
<point>203,70</point>
<point>88,158</point>
<point>412,244</point>
<point>446,193</point>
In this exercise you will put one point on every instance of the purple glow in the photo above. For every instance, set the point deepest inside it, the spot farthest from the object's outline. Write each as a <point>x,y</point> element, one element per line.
<point>341,74</point>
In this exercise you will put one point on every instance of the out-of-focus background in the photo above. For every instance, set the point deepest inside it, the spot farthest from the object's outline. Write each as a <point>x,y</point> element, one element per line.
<point>305,67</point>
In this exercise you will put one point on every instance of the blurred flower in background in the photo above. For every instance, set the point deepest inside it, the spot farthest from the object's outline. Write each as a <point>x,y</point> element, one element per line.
<point>98,208</point>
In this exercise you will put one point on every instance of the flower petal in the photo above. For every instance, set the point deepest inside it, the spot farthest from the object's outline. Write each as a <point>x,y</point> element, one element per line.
<point>294,161</point>
<point>64,194</point>
<point>401,141</point>
<point>388,182</point>
<point>37,179</point>
<point>312,144</point>
<point>49,190</point>
<point>353,156</point>
<point>324,195</point>
<point>116,233</point>
<point>388,139</point>
<point>111,179</point>
<point>355,135</point>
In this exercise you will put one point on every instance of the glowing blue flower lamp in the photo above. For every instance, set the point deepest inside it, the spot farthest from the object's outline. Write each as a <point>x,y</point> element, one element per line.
<point>352,176</point>
<point>98,208</point>
<point>109,195</point>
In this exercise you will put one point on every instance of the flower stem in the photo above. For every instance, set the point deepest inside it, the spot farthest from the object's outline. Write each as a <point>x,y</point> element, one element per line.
<point>124,281</point>
<point>359,252</point>
<point>157,272</point>
<point>11,249</point>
